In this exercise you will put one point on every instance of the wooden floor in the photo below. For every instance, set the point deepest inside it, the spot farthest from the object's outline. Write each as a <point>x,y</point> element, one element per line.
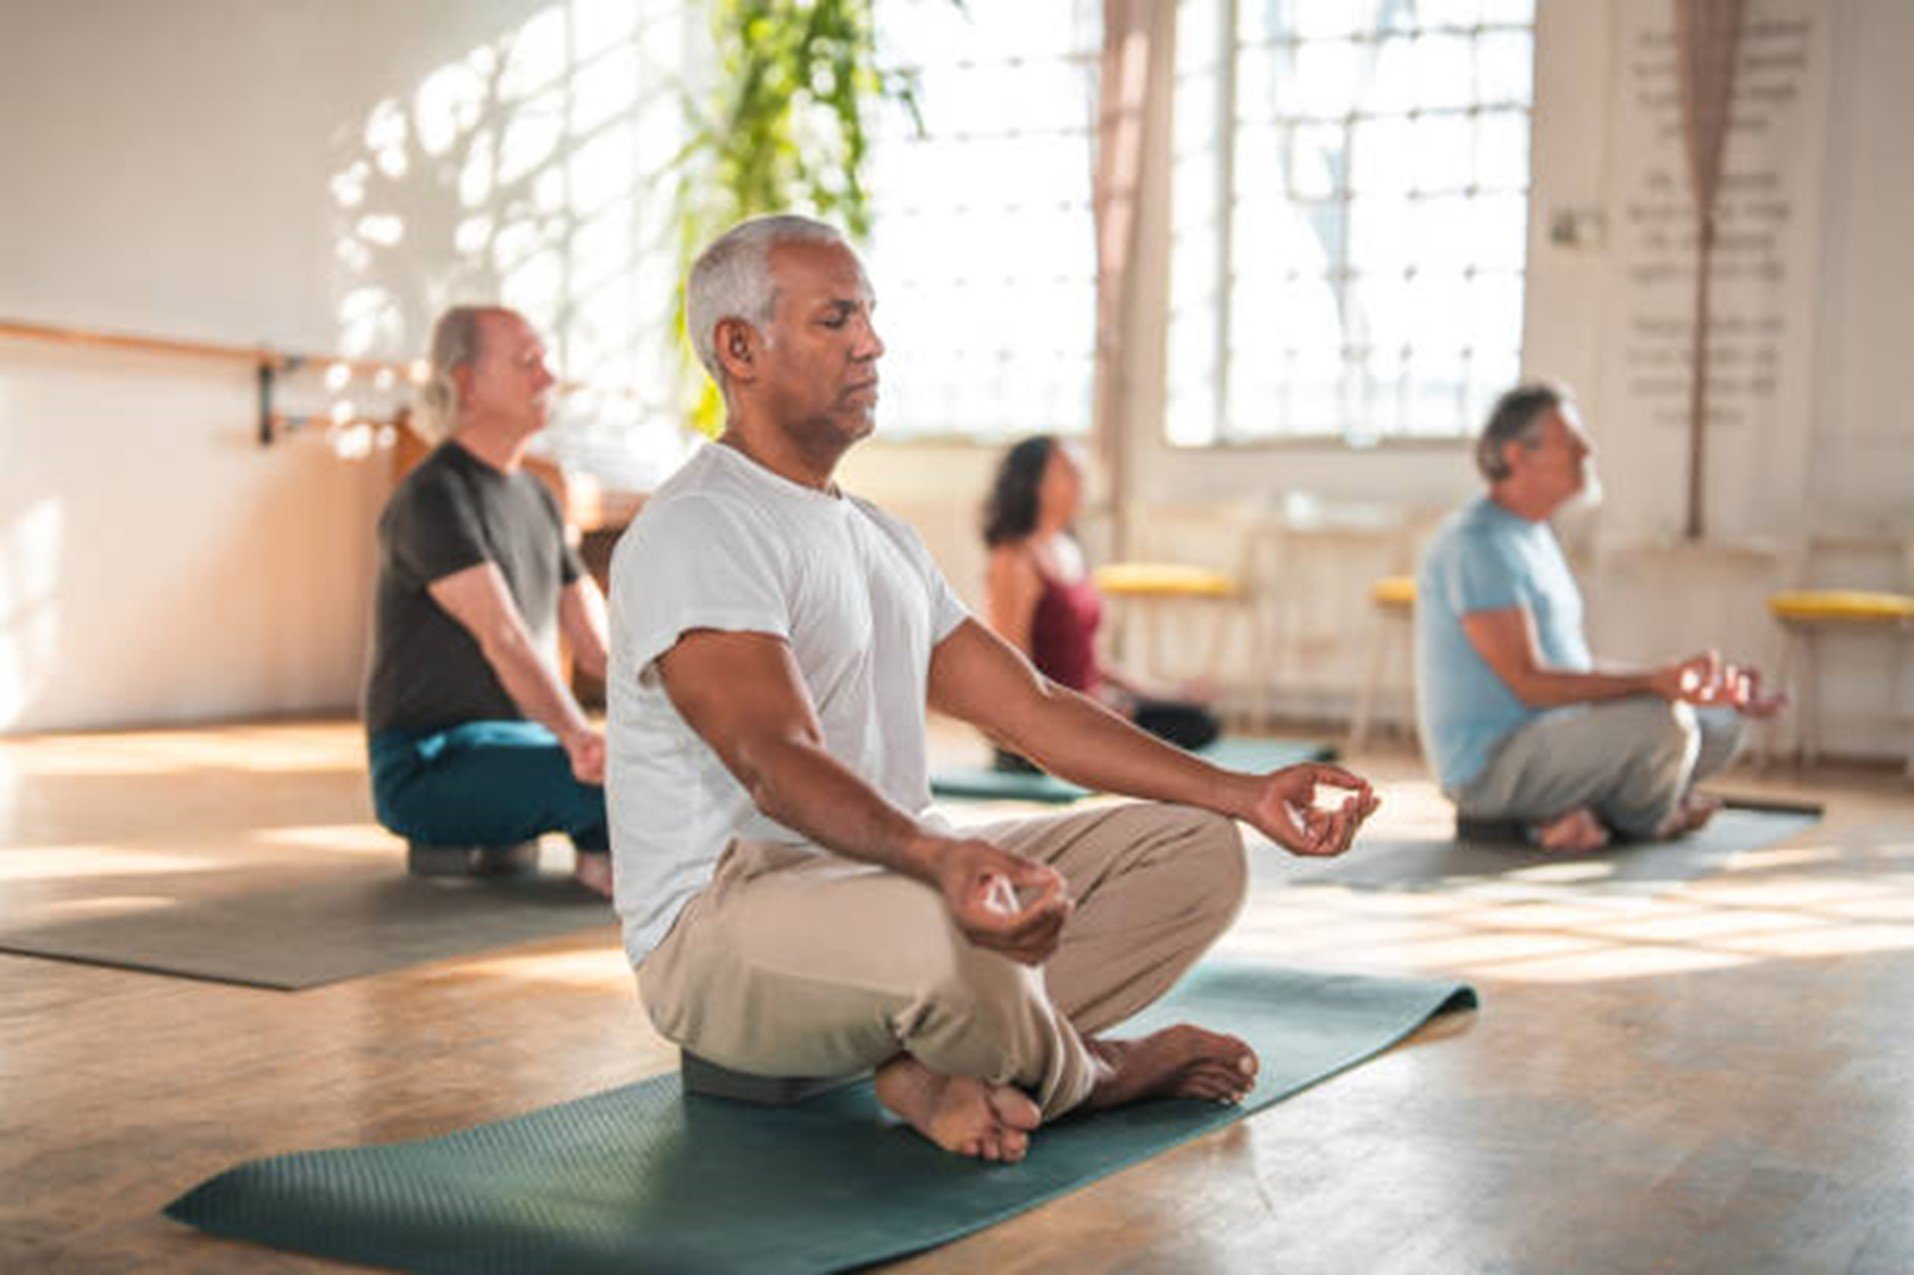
<point>1720,1078</point>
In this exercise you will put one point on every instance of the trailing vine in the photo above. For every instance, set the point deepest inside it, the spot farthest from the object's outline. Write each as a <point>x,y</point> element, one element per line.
<point>787,130</point>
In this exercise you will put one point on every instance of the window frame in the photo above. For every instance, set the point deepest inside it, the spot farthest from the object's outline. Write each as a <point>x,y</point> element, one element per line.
<point>1221,280</point>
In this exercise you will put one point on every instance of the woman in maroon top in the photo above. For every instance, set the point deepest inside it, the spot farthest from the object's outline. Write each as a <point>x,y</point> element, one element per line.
<point>1041,598</point>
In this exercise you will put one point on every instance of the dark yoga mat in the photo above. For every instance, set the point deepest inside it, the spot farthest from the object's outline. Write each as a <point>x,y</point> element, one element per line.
<point>363,921</point>
<point>1243,752</point>
<point>646,1178</point>
<point>1624,867</point>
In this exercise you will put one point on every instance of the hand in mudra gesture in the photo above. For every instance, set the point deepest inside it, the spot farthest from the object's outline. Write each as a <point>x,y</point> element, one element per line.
<point>1286,809</point>
<point>1002,901</point>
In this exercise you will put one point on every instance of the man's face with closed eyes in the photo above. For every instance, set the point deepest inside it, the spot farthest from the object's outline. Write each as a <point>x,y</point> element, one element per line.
<point>820,361</point>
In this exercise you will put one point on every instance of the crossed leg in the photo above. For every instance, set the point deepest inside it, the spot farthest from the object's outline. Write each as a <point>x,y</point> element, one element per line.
<point>1577,776</point>
<point>796,964</point>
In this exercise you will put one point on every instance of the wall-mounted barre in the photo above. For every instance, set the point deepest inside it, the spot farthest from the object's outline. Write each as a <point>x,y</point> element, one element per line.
<point>268,363</point>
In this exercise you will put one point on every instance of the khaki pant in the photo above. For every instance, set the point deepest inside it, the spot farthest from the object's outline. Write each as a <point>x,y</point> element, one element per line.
<point>795,963</point>
<point>1630,760</point>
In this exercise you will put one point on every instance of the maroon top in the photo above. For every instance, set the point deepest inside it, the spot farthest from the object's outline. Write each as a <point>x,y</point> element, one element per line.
<point>1063,634</point>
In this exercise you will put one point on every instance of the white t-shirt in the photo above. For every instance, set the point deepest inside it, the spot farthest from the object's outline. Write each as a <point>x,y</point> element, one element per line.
<point>727,544</point>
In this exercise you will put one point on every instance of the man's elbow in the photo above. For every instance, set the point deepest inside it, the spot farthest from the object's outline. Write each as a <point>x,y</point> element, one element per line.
<point>1529,692</point>
<point>1019,721</point>
<point>503,644</point>
<point>764,769</point>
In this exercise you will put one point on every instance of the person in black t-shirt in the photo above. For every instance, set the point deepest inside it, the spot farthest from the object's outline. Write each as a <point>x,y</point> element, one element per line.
<point>474,738</point>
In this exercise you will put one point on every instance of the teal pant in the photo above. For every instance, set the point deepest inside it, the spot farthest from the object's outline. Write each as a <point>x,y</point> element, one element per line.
<point>483,783</point>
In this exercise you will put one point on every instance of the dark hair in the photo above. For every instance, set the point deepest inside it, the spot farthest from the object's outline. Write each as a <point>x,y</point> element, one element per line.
<point>1514,420</point>
<point>1010,513</point>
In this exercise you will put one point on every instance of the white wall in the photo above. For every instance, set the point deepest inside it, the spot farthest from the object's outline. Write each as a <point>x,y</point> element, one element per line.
<point>167,167</point>
<point>1831,452</point>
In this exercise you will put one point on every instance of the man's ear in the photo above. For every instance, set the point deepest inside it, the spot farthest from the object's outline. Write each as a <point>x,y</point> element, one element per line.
<point>461,377</point>
<point>1512,452</point>
<point>737,346</point>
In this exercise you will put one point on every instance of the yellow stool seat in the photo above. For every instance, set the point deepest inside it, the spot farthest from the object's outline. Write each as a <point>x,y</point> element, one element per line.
<point>1394,591</point>
<point>1163,580</point>
<point>1841,606</point>
<point>1394,598</point>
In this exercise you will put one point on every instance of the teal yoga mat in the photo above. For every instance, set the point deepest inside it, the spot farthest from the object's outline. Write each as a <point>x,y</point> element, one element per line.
<point>1245,752</point>
<point>646,1178</point>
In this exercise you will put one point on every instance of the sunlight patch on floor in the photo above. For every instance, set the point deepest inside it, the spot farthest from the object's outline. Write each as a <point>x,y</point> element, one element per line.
<point>342,838</point>
<point>1608,963</point>
<point>108,905</point>
<point>61,863</point>
<point>592,967</point>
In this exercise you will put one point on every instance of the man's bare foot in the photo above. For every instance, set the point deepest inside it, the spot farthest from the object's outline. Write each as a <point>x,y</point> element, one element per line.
<point>1692,815</point>
<point>1576,832</point>
<point>1181,1062</point>
<point>593,871</point>
<point>960,1114</point>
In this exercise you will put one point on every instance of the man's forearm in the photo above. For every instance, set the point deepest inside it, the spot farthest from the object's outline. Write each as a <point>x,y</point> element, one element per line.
<point>1075,738</point>
<point>591,659</point>
<point>581,617</point>
<point>799,784</point>
<point>535,688</point>
<point>1554,688</point>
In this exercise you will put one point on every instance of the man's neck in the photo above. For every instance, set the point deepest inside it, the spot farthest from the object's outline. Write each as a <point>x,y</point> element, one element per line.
<point>775,452</point>
<point>501,449</point>
<point>1522,504</point>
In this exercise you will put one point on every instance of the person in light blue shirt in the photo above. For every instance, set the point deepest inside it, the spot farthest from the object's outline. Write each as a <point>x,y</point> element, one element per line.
<point>1520,724</point>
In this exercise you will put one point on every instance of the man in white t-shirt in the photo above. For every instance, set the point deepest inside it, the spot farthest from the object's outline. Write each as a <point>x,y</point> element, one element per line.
<point>791,904</point>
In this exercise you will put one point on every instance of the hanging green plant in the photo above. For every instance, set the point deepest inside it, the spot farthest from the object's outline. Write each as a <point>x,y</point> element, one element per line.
<point>787,130</point>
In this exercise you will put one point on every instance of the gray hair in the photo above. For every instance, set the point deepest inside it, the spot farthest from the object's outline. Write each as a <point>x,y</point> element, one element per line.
<point>455,344</point>
<point>731,279</point>
<point>1517,418</point>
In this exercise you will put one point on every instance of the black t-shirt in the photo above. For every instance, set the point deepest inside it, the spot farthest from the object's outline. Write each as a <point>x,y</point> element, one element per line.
<point>453,512</point>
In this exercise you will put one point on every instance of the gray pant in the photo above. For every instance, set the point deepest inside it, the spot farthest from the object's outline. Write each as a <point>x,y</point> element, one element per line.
<point>1630,760</point>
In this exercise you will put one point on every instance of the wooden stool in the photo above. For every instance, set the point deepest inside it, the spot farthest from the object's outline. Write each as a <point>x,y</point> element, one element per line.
<point>1393,599</point>
<point>513,859</point>
<point>1164,583</point>
<point>702,1076</point>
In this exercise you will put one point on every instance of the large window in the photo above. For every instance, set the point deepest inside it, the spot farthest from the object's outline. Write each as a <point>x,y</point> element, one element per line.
<point>536,169</point>
<point>983,251</point>
<point>1350,191</point>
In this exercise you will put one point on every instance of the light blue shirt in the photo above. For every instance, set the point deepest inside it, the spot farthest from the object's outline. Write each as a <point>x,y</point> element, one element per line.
<point>1486,559</point>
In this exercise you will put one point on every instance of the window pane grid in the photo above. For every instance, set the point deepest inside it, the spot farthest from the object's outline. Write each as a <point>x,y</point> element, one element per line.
<point>990,335</point>
<point>1470,31</point>
<point>1372,207</point>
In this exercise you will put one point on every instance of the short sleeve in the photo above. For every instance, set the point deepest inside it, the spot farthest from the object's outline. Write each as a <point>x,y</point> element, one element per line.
<point>695,563</point>
<point>947,610</point>
<point>1483,574</point>
<point>433,530</point>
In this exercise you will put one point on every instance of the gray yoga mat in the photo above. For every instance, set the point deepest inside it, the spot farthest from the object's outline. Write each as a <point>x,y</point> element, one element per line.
<point>320,930</point>
<point>1625,867</point>
<point>1236,752</point>
<point>647,1178</point>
